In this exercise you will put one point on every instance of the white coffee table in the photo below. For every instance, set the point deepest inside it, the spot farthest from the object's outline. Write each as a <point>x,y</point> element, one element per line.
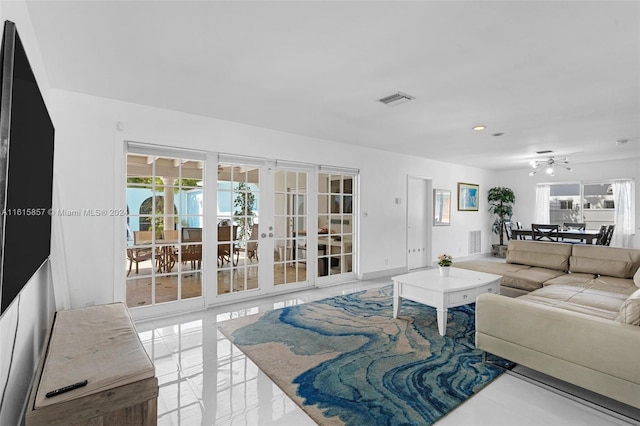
<point>428,287</point>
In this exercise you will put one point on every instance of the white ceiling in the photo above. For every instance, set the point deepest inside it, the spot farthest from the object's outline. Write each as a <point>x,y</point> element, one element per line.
<point>561,76</point>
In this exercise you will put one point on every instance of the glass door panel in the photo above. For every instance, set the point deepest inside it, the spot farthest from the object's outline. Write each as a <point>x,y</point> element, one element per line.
<point>290,227</point>
<point>164,202</point>
<point>335,223</point>
<point>238,228</point>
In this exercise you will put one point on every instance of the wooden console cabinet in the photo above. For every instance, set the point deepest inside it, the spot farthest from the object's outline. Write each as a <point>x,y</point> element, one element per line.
<point>98,344</point>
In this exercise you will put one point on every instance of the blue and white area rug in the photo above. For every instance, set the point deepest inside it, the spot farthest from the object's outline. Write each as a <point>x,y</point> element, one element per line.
<point>346,360</point>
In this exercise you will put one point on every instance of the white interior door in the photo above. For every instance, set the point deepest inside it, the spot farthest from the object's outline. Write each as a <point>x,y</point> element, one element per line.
<point>419,208</point>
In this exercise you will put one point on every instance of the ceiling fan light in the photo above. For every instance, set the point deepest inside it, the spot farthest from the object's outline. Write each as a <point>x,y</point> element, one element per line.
<point>533,163</point>
<point>532,173</point>
<point>549,171</point>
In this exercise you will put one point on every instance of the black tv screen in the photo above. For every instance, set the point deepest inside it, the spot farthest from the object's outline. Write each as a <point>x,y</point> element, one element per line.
<point>26,170</point>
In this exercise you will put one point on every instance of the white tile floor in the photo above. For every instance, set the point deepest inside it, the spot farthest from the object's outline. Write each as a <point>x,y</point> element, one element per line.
<point>205,380</point>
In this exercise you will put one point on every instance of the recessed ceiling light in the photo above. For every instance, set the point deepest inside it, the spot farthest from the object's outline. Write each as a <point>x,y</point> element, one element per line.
<point>479,127</point>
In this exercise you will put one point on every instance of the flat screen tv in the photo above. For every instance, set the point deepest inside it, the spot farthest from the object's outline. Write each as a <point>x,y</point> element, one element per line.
<point>26,170</point>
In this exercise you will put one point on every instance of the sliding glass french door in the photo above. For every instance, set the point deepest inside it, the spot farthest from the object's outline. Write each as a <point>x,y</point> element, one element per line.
<point>291,228</point>
<point>241,251</point>
<point>262,223</point>
<point>265,227</point>
<point>164,227</point>
<point>336,214</point>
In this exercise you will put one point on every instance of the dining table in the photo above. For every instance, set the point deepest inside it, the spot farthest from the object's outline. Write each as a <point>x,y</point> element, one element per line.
<point>165,252</point>
<point>586,235</point>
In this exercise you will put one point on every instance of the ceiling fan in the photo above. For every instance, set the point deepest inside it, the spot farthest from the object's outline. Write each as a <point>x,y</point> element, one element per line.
<point>548,165</point>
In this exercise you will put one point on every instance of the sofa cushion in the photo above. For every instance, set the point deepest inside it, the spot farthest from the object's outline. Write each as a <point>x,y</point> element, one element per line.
<point>622,286</point>
<point>542,254</point>
<point>630,310</point>
<point>602,260</point>
<point>587,301</point>
<point>578,280</point>
<point>614,268</point>
<point>529,279</point>
<point>489,267</point>
<point>636,278</point>
<point>611,284</point>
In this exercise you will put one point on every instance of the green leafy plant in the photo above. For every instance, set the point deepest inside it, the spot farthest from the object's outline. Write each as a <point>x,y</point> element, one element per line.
<point>244,204</point>
<point>501,201</point>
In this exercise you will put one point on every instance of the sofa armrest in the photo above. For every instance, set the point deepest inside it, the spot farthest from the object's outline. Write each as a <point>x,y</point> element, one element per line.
<point>533,335</point>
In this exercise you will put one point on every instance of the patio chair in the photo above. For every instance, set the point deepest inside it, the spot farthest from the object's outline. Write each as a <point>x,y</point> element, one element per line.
<point>226,246</point>
<point>251,246</point>
<point>137,255</point>
<point>192,252</point>
<point>169,250</point>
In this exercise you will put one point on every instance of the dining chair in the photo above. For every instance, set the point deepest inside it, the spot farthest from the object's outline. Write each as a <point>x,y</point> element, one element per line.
<point>169,251</point>
<point>519,227</point>
<point>602,235</point>
<point>191,252</point>
<point>609,235</point>
<point>574,226</point>
<point>139,254</point>
<point>544,232</point>
<point>506,227</point>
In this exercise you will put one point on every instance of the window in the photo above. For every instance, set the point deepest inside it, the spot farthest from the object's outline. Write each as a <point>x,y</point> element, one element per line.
<point>589,203</point>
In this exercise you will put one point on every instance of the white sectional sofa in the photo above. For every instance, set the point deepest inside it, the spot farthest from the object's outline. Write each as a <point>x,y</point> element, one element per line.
<point>576,315</point>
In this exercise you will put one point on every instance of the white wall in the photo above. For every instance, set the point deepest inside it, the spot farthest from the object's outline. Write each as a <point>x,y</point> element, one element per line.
<point>87,161</point>
<point>524,185</point>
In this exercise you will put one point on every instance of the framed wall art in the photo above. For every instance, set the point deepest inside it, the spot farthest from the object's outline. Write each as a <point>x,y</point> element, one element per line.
<point>441,207</point>
<point>468,197</point>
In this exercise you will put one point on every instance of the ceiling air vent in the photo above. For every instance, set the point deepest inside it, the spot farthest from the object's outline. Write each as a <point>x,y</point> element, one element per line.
<point>548,151</point>
<point>396,99</point>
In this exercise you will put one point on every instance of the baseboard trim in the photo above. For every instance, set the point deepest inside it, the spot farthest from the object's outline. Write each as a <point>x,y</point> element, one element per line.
<point>383,273</point>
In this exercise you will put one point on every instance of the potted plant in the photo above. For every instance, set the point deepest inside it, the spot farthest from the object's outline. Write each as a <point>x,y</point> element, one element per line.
<point>501,201</point>
<point>444,262</point>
